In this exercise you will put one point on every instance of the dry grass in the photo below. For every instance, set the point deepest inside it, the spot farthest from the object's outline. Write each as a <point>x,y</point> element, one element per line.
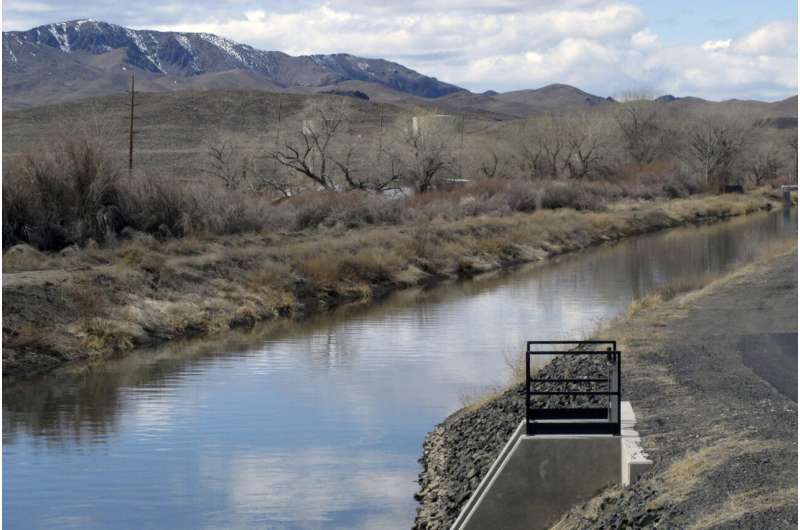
<point>684,475</point>
<point>667,293</point>
<point>203,283</point>
<point>322,271</point>
<point>269,274</point>
<point>137,257</point>
<point>107,334</point>
<point>24,258</point>
<point>589,511</point>
<point>26,336</point>
<point>474,398</point>
<point>372,265</point>
<point>741,504</point>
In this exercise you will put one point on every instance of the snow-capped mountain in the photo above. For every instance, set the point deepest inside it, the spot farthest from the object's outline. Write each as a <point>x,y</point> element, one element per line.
<point>75,55</point>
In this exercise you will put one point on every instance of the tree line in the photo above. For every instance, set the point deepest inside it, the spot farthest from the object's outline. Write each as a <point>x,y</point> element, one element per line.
<point>712,146</point>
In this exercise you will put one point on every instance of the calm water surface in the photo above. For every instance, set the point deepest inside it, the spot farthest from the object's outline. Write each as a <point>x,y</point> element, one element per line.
<point>317,424</point>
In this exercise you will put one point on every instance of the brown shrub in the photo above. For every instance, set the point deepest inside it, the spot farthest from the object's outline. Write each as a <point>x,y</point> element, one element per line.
<point>269,274</point>
<point>144,259</point>
<point>26,335</point>
<point>321,271</point>
<point>53,198</point>
<point>372,265</point>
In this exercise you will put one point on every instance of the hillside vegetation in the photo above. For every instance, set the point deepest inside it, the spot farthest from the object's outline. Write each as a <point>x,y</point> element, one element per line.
<point>232,162</point>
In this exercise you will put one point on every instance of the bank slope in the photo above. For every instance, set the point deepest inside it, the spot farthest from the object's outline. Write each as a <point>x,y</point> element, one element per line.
<point>89,303</point>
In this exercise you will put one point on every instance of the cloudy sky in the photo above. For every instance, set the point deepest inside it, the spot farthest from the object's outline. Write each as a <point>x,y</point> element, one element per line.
<point>711,48</point>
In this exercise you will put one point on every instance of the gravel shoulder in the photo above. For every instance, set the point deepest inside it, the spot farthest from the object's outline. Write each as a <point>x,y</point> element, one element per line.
<point>712,376</point>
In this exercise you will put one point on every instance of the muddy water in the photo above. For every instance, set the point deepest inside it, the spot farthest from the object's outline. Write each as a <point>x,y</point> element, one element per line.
<point>317,424</point>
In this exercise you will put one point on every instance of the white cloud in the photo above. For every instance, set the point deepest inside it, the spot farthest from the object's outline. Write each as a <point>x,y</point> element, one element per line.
<point>773,38</point>
<point>32,7</point>
<point>644,39</point>
<point>600,45</point>
<point>716,45</point>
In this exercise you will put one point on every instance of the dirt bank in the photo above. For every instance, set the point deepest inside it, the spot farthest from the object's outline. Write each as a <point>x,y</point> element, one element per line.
<point>707,375</point>
<point>87,303</point>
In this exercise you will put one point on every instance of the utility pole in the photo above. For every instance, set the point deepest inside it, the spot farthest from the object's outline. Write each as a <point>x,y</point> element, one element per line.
<point>130,136</point>
<point>461,151</point>
<point>278,128</point>
<point>380,134</point>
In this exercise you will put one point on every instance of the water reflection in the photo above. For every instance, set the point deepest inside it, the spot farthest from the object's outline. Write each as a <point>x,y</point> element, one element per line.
<point>316,424</point>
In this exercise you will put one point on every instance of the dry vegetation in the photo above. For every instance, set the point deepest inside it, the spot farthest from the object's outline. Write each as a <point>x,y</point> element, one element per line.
<point>321,217</point>
<point>141,290</point>
<point>329,161</point>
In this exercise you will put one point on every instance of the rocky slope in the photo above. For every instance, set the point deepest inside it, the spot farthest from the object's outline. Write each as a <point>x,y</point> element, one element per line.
<point>460,451</point>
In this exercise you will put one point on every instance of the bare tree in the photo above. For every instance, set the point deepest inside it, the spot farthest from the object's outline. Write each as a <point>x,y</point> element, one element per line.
<point>715,142</point>
<point>226,163</point>
<point>544,145</point>
<point>490,163</point>
<point>563,146</point>
<point>643,126</point>
<point>791,144</point>
<point>370,170</point>
<point>273,177</point>
<point>311,153</point>
<point>585,146</point>
<point>427,152</point>
<point>764,165</point>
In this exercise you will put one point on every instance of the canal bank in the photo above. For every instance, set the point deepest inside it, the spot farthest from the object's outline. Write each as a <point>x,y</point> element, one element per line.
<point>706,372</point>
<point>205,433</point>
<point>89,304</point>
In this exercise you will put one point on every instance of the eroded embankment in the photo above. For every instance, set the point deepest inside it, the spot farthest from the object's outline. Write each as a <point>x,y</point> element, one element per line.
<point>723,438</point>
<point>85,304</point>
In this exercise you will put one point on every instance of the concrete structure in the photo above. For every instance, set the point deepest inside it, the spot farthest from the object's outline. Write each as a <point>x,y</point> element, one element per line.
<point>536,479</point>
<point>787,190</point>
<point>444,125</point>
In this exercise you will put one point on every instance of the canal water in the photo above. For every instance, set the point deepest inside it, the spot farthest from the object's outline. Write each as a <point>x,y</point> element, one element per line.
<point>316,424</point>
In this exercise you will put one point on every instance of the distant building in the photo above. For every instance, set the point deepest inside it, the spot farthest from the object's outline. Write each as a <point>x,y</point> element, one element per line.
<point>436,123</point>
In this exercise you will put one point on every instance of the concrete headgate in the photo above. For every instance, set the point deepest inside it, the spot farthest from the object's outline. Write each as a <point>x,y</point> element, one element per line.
<point>560,456</point>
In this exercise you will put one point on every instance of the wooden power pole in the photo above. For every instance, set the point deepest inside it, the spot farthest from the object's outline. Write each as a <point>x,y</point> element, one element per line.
<point>278,128</point>
<point>130,135</point>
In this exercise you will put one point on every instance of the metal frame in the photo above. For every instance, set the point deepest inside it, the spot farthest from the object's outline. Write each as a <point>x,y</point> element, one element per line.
<point>576,420</point>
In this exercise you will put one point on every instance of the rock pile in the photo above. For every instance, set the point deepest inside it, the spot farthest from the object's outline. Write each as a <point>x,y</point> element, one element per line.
<point>458,453</point>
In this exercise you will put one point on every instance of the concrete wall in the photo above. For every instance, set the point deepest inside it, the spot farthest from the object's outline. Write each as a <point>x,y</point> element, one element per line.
<point>634,459</point>
<point>536,479</point>
<point>487,479</point>
<point>543,477</point>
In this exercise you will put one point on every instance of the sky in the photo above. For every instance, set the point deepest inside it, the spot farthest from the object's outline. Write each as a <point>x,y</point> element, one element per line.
<point>707,48</point>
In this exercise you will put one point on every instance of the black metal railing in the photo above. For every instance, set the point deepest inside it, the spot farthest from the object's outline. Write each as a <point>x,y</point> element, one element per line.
<point>587,415</point>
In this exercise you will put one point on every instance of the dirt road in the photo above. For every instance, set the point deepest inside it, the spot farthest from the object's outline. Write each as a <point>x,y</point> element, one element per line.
<point>713,379</point>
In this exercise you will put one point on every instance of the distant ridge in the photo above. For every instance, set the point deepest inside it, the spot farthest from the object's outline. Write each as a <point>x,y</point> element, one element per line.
<point>87,57</point>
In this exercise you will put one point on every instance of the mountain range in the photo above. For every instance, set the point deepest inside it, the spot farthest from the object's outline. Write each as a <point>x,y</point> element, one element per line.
<point>77,59</point>
<point>86,57</point>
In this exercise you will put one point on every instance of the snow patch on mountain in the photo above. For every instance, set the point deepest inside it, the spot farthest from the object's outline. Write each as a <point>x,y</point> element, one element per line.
<point>181,54</point>
<point>183,40</point>
<point>143,49</point>
<point>225,45</point>
<point>61,36</point>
